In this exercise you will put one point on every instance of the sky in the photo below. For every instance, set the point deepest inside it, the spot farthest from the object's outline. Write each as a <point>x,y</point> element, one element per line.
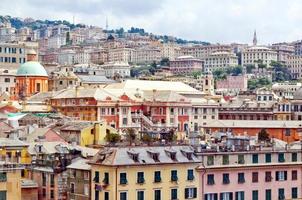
<point>215,21</point>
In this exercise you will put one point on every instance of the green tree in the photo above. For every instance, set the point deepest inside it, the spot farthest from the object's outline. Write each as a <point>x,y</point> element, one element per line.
<point>165,62</point>
<point>249,68</point>
<point>263,135</point>
<point>130,135</point>
<point>112,138</point>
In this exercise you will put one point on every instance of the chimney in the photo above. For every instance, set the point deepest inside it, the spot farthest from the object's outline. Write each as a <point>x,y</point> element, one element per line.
<point>31,55</point>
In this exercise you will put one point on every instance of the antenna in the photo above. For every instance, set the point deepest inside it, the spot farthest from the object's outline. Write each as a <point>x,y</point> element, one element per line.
<point>72,19</point>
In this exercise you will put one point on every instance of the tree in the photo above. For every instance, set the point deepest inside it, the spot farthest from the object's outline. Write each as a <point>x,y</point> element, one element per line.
<point>249,68</point>
<point>130,135</point>
<point>281,72</point>
<point>165,62</point>
<point>112,138</point>
<point>147,138</point>
<point>263,135</point>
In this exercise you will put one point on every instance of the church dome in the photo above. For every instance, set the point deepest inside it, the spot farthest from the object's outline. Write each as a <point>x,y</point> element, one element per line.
<point>298,94</point>
<point>31,68</point>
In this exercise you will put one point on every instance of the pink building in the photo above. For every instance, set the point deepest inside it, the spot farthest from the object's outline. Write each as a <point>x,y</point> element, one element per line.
<point>233,83</point>
<point>186,65</point>
<point>251,175</point>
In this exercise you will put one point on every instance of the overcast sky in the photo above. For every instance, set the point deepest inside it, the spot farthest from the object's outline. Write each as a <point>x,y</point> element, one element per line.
<point>222,21</point>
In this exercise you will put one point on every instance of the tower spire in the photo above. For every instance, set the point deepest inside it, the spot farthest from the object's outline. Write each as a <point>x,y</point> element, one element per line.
<point>106,23</point>
<point>255,38</point>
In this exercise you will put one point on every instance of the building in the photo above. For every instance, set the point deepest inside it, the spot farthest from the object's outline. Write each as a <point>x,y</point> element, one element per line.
<point>286,89</point>
<point>186,65</point>
<point>145,173</point>
<point>203,51</point>
<point>256,173</point>
<point>232,83</point>
<point>294,64</point>
<point>146,55</point>
<point>256,55</point>
<point>288,131</point>
<point>116,69</point>
<point>220,60</point>
<point>13,54</point>
<point>284,50</point>
<point>31,77</point>
<point>10,180</point>
<point>120,55</point>
<point>79,180</point>
<point>7,82</point>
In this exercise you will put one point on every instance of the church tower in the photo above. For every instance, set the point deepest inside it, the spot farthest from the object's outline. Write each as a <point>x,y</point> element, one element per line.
<point>255,39</point>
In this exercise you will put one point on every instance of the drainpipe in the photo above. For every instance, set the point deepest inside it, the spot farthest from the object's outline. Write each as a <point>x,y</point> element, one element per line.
<point>116,183</point>
<point>203,175</point>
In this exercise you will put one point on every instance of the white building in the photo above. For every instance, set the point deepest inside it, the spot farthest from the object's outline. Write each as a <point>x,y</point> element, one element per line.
<point>66,57</point>
<point>116,69</point>
<point>146,55</point>
<point>283,50</point>
<point>168,50</point>
<point>258,54</point>
<point>220,60</point>
<point>56,42</point>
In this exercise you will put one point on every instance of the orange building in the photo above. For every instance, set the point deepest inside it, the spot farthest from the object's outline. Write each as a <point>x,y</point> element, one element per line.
<point>31,77</point>
<point>287,131</point>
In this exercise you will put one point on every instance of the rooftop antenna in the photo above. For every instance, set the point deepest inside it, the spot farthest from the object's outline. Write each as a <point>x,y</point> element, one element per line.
<point>72,19</point>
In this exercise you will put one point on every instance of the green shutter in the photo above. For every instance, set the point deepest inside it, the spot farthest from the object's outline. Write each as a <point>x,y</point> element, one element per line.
<point>255,194</point>
<point>2,195</point>
<point>268,195</point>
<point>294,157</point>
<point>294,193</point>
<point>268,158</point>
<point>186,193</point>
<point>194,192</point>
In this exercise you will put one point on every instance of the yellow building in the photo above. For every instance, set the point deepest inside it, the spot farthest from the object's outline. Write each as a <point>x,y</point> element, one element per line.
<point>14,151</point>
<point>10,181</point>
<point>85,133</point>
<point>139,173</point>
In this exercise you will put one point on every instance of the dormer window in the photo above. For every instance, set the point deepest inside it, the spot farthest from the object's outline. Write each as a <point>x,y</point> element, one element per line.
<point>154,155</point>
<point>171,153</point>
<point>133,155</point>
<point>188,153</point>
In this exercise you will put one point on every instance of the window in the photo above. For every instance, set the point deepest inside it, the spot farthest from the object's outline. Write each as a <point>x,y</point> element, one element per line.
<point>7,80</point>
<point>174,194</point>
<point>241,159</point>
<point>268,157</point>
<point>157,194</point>
<point>3,177</point>
<point>140,195</point>
<point>268,176</point>
<point>281,175</point>
<point>52,194</point>
<point>255,158</point>
<point>211,196</point>
<point>190,193</point>
<point>294,193</point>
<point>106,195</point>
<point>52,180</point>
<point>294,157</point>
<point>174,175</point>
<point>190,175</point>
<point>225,178</point>
<point>86,189</point>
<point>268,194</point>
<point>226,196</point>
<point>71,187</point>
<point>44,192</point>
<point>123,178</point>
<point>255,177</point>
<point>157,177</point>
<point>239,195</point>
<point>106,178</point>
<point>294,175</point>
<point>255,195</point>
<point>123,195</point>
<point>281,195</point>
<point>241,178</point>
<point>96,177</point>
<point>281,157</point>
<point>225,159</point>
<point>210,160</point>
<point>86,175</point>
<point>140,177</point>
<point>211,180</point>
<point>43,179</point>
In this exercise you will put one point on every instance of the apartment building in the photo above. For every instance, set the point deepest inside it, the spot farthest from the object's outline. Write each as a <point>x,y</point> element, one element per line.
<point>186,65</point>
<point>263,173</point>
<point>119,69</point>
<point>294,64</point>
<point>13,54</point>
<point>142,172</point>
<point>284,50</point>
<point>258,55</point>
<point>203,51</point>
<point>120,55</point>
<point>232,83</point>
<point>145,55</point>
<point>220,60</point>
